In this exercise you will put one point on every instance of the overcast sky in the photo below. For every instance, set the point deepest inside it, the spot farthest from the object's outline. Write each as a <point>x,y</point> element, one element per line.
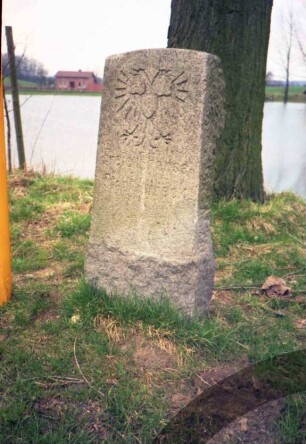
<point>72,35</point>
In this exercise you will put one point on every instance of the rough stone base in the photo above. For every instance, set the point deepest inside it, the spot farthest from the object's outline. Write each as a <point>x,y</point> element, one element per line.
<point>187,283</point>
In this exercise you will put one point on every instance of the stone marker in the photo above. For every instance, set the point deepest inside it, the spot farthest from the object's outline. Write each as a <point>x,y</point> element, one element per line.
<point>162,111</point>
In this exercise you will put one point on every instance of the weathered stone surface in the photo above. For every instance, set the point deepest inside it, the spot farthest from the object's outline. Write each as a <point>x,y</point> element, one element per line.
<point>162,111</point>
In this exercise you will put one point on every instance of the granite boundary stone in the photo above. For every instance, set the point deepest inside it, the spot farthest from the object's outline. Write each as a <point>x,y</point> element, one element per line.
<point>162,112</point>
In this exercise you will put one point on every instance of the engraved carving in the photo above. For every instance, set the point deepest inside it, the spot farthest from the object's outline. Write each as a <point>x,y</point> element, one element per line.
<point>149,101</point>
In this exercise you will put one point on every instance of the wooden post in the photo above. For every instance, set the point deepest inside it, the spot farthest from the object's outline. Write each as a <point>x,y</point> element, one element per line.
<point>15,97</point>
<point>5,269</point>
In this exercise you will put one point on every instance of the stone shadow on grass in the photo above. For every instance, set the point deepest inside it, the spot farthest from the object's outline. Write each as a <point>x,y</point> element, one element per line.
<point>236,395</point>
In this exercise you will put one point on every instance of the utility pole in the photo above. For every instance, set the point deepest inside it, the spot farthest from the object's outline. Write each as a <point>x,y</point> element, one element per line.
<point>15,97</point>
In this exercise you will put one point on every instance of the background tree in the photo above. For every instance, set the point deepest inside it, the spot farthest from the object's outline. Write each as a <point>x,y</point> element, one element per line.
<point>301,33</point>
<point>27,69</point>
<point>269,77</point>
<point>302,47</point>
<point>289,41</point>
<point>238,32</point>
<point>289,31</point>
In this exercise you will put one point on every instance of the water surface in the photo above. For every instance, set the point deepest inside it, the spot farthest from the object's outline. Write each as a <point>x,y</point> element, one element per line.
<point>60,134</point>
<point>284,147</point>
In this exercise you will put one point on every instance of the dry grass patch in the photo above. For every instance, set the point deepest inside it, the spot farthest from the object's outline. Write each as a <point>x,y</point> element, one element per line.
<point>259,224</point>
<point>112,329</point>
<point>150,347</point>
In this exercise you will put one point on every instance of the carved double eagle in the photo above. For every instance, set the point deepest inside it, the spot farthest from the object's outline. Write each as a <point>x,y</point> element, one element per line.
<point>149,100</point>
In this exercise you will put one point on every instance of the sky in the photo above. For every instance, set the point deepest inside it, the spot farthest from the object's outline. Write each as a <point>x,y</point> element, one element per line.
<point>72,35</point>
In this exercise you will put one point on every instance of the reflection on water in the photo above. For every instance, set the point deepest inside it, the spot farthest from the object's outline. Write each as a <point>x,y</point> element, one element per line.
<point>284,147</point>
<point>60,133</point>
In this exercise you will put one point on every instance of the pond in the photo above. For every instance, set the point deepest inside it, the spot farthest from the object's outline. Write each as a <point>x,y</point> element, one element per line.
<point>284,147</point>
<point>60,136</point>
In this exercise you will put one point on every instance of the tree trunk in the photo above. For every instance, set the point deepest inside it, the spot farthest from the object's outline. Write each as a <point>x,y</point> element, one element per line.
<point>288,59</point>
<point>286,90</point>
<point>238,32</point>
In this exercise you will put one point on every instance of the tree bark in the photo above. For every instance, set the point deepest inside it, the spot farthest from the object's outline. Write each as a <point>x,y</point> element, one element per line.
<point>286,89</point>
<point>238,32</point>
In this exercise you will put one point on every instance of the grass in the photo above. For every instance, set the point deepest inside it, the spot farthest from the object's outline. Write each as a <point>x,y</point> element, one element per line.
<point>59,93</point>
<point>78,366</point>
<point>272,92</point>
<point>72,223</point>
<point>296,93</point>
<point>21,83</point>
<point>252,241</point>
<point>292,427</point>
<point>43,92</point>
<point>27,87</point>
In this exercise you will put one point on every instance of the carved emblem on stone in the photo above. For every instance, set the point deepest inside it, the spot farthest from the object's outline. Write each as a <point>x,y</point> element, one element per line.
<point>149,100</point>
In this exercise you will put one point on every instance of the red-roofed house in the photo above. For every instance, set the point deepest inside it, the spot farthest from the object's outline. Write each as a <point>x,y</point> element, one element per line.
<point>77,81</point>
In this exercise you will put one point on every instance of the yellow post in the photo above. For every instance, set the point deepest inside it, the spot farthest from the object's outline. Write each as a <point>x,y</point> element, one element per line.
<point>5,260</point>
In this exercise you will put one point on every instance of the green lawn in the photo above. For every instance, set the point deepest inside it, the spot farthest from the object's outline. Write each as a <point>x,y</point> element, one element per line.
<point>280,89</point>
<point>21,83</point>
<point>58,93</point>
<point>79,367</point>
<point>52,92</point>
<point>277,93</point>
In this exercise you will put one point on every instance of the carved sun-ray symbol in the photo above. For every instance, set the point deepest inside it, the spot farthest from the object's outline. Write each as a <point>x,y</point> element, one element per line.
<point>147,100</point>
<point>180,83</point>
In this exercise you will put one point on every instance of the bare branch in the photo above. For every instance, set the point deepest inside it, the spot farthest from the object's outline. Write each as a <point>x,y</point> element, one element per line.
<point>8,123</point>
<point>302,47</point>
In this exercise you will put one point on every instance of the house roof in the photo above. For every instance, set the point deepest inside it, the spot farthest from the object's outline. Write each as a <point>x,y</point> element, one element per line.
<point>77,74</point>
